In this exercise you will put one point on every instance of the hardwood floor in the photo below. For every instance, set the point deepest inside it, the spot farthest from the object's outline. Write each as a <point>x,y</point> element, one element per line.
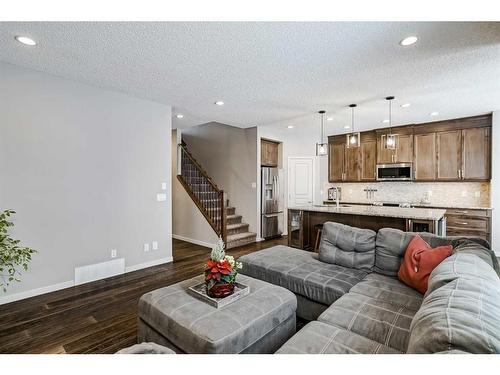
<point>98,317</point>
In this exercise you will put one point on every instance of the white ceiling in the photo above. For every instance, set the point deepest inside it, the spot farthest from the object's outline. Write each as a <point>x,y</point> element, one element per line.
<point>276,74</point>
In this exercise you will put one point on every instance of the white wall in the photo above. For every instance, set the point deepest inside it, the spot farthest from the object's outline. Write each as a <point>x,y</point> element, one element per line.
<point>495,183</point>
<point>82,167</point>
<point>188,223</point>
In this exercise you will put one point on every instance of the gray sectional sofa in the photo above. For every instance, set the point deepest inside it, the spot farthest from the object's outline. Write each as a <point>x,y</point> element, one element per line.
<point>356,304</point>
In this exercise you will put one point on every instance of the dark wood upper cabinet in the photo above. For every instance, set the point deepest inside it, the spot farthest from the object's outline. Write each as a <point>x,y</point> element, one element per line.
<point>336,161</point>
<point>449,155</point>
<point>269,153</point>
<point>347,164</point>
<point>368,160</point>
<point>451,150</point>
<point>404,147</point>
<point>476,154</point>
<point>424,168</point>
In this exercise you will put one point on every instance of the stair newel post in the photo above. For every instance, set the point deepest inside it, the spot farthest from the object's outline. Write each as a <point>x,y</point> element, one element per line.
<point>223,217</point>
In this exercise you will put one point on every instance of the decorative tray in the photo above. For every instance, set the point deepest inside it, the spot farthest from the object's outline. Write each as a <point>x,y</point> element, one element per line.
<point>200,291</point>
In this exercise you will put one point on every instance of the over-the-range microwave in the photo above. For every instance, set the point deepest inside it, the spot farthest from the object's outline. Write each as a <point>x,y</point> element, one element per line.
<point>394,172</point>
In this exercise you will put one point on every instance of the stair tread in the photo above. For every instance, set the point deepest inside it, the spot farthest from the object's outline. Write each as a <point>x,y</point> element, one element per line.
<point>240,236</point>
<point>237,225</point>
<point>233,216</point>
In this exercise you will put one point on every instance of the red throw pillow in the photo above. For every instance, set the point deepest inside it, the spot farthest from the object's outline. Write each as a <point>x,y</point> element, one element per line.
<point>419,261</point>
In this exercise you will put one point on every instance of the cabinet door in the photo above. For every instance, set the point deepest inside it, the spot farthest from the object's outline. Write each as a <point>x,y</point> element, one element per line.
<point>368,160</point>
<point>352,164</point>
<point>263,153</point>
<point>273,153</point>
<point>384,156</point>
<point>476,154</point>
<point>449,155</point>
<point>404,151</point>
<point>425,157</point>
<point>336,161</point>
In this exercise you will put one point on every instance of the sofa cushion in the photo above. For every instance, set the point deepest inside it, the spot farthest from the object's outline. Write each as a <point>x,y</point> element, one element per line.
<point>347,246</point>
<point>391,245</point>
<point>419,261</point>
<point>319,338</point>
<point>377,320</point>
<point>301,272</point>
<point>388,289</point>
<point>461,309</point>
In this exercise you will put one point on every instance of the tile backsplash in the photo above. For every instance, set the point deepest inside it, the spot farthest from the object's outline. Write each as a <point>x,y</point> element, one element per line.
<point>446,194</point>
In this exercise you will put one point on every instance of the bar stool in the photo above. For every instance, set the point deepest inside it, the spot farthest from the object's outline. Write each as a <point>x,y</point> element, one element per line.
<point>319,229</point>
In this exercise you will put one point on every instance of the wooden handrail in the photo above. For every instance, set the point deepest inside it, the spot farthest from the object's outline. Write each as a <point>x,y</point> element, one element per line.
<point>213,205</point>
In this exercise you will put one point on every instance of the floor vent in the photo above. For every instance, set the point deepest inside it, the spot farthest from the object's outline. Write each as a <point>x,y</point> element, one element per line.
<point>99,271</point>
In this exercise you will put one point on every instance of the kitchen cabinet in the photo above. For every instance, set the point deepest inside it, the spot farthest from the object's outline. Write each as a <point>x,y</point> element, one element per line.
<point>449,155</point>
<point>476,154</point>
<point>336,161</point>
<point>269,153</point>
<point>424,165</point>
<point>468,222</point>
<point>404,146</point>
<point>352,164</point>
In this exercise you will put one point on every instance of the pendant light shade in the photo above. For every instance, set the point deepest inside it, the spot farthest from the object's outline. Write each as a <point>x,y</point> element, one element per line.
<point>353,139</point>
<point>390,141</point>
<point>322,145</point>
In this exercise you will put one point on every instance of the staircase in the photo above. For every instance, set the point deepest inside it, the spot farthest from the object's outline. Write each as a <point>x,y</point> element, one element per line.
<point>212,202</point>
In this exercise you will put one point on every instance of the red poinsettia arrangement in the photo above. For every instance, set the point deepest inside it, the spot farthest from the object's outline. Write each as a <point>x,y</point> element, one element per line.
<point>220,272</point>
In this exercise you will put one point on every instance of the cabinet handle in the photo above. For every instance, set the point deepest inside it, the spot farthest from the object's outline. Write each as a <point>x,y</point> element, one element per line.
<point>463,223</point>
<point>462,212</point>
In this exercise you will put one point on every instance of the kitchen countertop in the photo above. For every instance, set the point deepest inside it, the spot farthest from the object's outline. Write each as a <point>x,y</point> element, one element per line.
<point>365,210</point>
<point>421,205</point>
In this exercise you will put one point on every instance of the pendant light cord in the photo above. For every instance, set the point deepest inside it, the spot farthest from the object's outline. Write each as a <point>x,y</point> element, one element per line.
<point>322,127</point>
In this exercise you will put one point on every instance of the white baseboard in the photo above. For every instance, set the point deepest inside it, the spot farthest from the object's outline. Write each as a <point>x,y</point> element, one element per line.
<point>67,284</point>
<point>36,292</point>
<point>191,240</point>
<point>155,262</point>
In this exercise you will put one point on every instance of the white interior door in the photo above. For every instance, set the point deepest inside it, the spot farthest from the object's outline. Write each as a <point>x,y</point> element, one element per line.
<point>300,181</point>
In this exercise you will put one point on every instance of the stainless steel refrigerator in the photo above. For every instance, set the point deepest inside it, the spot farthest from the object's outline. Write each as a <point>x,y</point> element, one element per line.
<point>271,202</point>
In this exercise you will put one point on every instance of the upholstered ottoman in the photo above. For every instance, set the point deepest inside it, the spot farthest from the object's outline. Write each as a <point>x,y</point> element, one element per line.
<point>260,322</point>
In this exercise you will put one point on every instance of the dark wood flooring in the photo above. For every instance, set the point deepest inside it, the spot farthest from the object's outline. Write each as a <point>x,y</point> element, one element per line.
<point>98,317</point>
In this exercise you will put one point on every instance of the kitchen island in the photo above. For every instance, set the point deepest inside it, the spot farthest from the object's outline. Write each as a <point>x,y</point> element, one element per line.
<point>303,221</point>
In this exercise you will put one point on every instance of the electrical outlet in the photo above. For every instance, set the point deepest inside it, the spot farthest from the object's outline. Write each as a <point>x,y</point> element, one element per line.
<point>477,194</point>
<point>113,253</point>
<point>146,247</point>
<point>155,245</point>
<point>464,193</point>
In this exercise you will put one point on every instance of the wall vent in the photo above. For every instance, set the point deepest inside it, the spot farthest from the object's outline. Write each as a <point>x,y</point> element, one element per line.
<point>99,271</point>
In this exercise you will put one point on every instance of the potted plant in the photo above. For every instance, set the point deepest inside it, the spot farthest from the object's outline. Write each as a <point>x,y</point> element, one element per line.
<point>220,272</point>
<point>12,256</point>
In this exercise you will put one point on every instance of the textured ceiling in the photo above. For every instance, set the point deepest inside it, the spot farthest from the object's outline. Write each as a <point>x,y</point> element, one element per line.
<point>276,74</point>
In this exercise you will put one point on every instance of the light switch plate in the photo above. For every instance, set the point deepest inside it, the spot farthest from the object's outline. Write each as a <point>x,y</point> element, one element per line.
<point>163,186</point>
<point>161,197</point>
<point>146,247</point>
<point>155,245</point>
<point>254,185</point>
<point>113,253</point>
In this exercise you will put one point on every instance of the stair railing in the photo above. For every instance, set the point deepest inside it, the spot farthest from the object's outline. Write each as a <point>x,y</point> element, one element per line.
<point>209,199</point>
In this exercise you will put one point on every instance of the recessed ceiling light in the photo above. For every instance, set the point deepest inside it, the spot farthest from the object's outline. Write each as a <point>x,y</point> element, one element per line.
<point>290,126</point>
<point>385,121</point>
<point>25,40</point>
<point>329,119</point>
<point>347,127</point>
<point>219,102</point>
<point>434,113</point>
<point>179,115</point>
<point>406,105</point>
<point>408,41</point>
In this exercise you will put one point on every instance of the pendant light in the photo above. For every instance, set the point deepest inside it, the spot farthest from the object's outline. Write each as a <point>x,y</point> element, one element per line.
<point>322,145</point>
<point>353,139</point>
<point>391,139</point>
